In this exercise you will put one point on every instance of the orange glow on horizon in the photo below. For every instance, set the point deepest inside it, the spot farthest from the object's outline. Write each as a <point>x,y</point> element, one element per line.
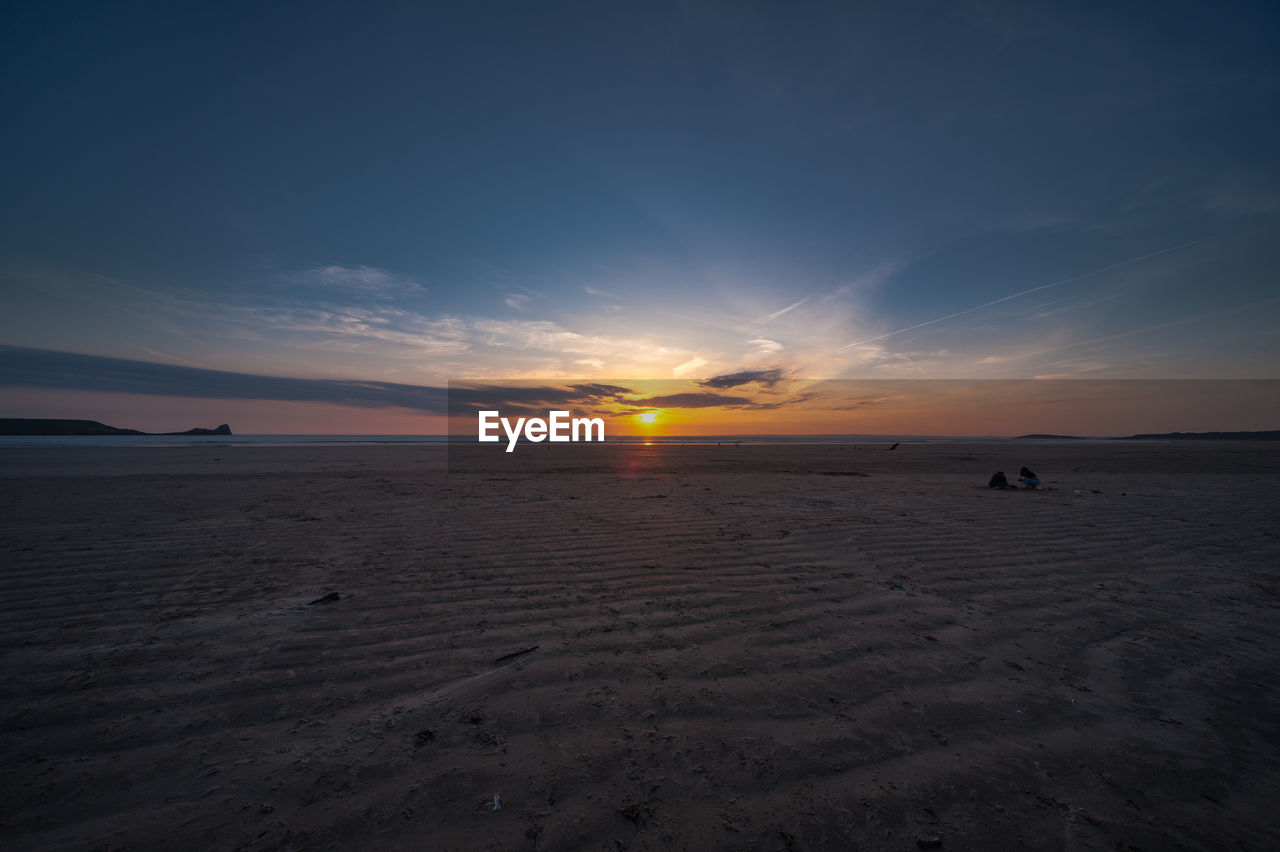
<point>669,408</point>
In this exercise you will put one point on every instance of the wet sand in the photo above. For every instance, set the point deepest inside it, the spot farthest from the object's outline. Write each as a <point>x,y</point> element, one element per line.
<point>757,647</point>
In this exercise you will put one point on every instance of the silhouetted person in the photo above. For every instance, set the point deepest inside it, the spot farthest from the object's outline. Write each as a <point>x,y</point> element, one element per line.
<point>998,480</point>
<point>1028,478</point>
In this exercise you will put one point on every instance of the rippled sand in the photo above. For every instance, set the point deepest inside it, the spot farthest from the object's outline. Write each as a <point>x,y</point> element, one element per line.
<point>644,648</point>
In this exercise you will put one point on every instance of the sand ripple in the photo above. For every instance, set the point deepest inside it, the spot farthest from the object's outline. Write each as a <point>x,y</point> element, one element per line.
<point>729,650</point>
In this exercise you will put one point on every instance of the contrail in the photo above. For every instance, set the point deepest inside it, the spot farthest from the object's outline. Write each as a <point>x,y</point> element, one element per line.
<point>1023,293</point>
<point>777,314</point>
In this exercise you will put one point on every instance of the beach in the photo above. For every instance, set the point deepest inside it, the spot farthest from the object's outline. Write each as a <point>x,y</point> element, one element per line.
<point>631,647</point>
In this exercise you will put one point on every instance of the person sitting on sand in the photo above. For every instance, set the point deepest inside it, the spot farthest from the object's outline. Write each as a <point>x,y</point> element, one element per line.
<point>1028,478</point>
<point>997,480</point>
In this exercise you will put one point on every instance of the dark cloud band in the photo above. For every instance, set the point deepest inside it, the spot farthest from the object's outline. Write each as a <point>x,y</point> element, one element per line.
<point>43,368</point>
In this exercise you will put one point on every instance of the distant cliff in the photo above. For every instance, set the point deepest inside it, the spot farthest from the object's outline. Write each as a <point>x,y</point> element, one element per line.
<point>18,426</point>
<point>224,429</point>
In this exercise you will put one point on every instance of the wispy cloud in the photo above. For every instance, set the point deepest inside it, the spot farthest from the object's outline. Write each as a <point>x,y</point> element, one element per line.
<point>329,326</point>
<point>1021,293</point>
<point>765,346</point>
<point>365,279</point>
<point>681,370</point>
<point>490,344</point>
<point>638,355</point>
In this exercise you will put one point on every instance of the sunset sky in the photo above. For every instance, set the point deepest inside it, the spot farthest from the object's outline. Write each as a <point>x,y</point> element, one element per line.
<point>310,217</point>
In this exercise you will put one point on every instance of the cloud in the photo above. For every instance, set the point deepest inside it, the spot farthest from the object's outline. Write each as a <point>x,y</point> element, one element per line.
<point>1026,292</point>
<point>596,390</point>
<point>337,328</point>
<point>692,400</point>
<point>600,294</point>
<point>466,398</point>
<point>625,355</point>
<point>765,346</point>
<point>507,346</point>
<point>44,368</point>
<point>517,301</point>
<point>364,279</point>
<point>342,327</point>
<point>854,406</point>
<point>768,378</point>
<point>688,366</point>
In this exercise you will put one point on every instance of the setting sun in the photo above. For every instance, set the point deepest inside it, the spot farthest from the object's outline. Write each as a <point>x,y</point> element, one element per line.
<point>648,417</point>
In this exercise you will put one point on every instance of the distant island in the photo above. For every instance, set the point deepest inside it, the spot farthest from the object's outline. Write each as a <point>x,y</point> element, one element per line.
<point>1272,435</point>
<point>18,426</point>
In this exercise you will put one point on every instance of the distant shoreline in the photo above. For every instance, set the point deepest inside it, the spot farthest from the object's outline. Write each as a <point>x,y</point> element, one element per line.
<point>37,427</point>
<point>872,443</point>
<point>1270,435</point>
<point>79,431</point>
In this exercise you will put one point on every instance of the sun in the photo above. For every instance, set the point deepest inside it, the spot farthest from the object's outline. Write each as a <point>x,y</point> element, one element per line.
<point>648,417</point>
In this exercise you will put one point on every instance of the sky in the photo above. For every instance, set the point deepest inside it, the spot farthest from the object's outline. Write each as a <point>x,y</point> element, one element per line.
<point>311,217</point>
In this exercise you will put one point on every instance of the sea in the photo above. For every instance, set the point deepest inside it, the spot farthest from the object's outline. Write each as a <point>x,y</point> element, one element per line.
<point>444,440</point>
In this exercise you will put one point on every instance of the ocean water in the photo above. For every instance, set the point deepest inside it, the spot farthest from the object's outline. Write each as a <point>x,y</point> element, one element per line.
<point>372,440</point>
